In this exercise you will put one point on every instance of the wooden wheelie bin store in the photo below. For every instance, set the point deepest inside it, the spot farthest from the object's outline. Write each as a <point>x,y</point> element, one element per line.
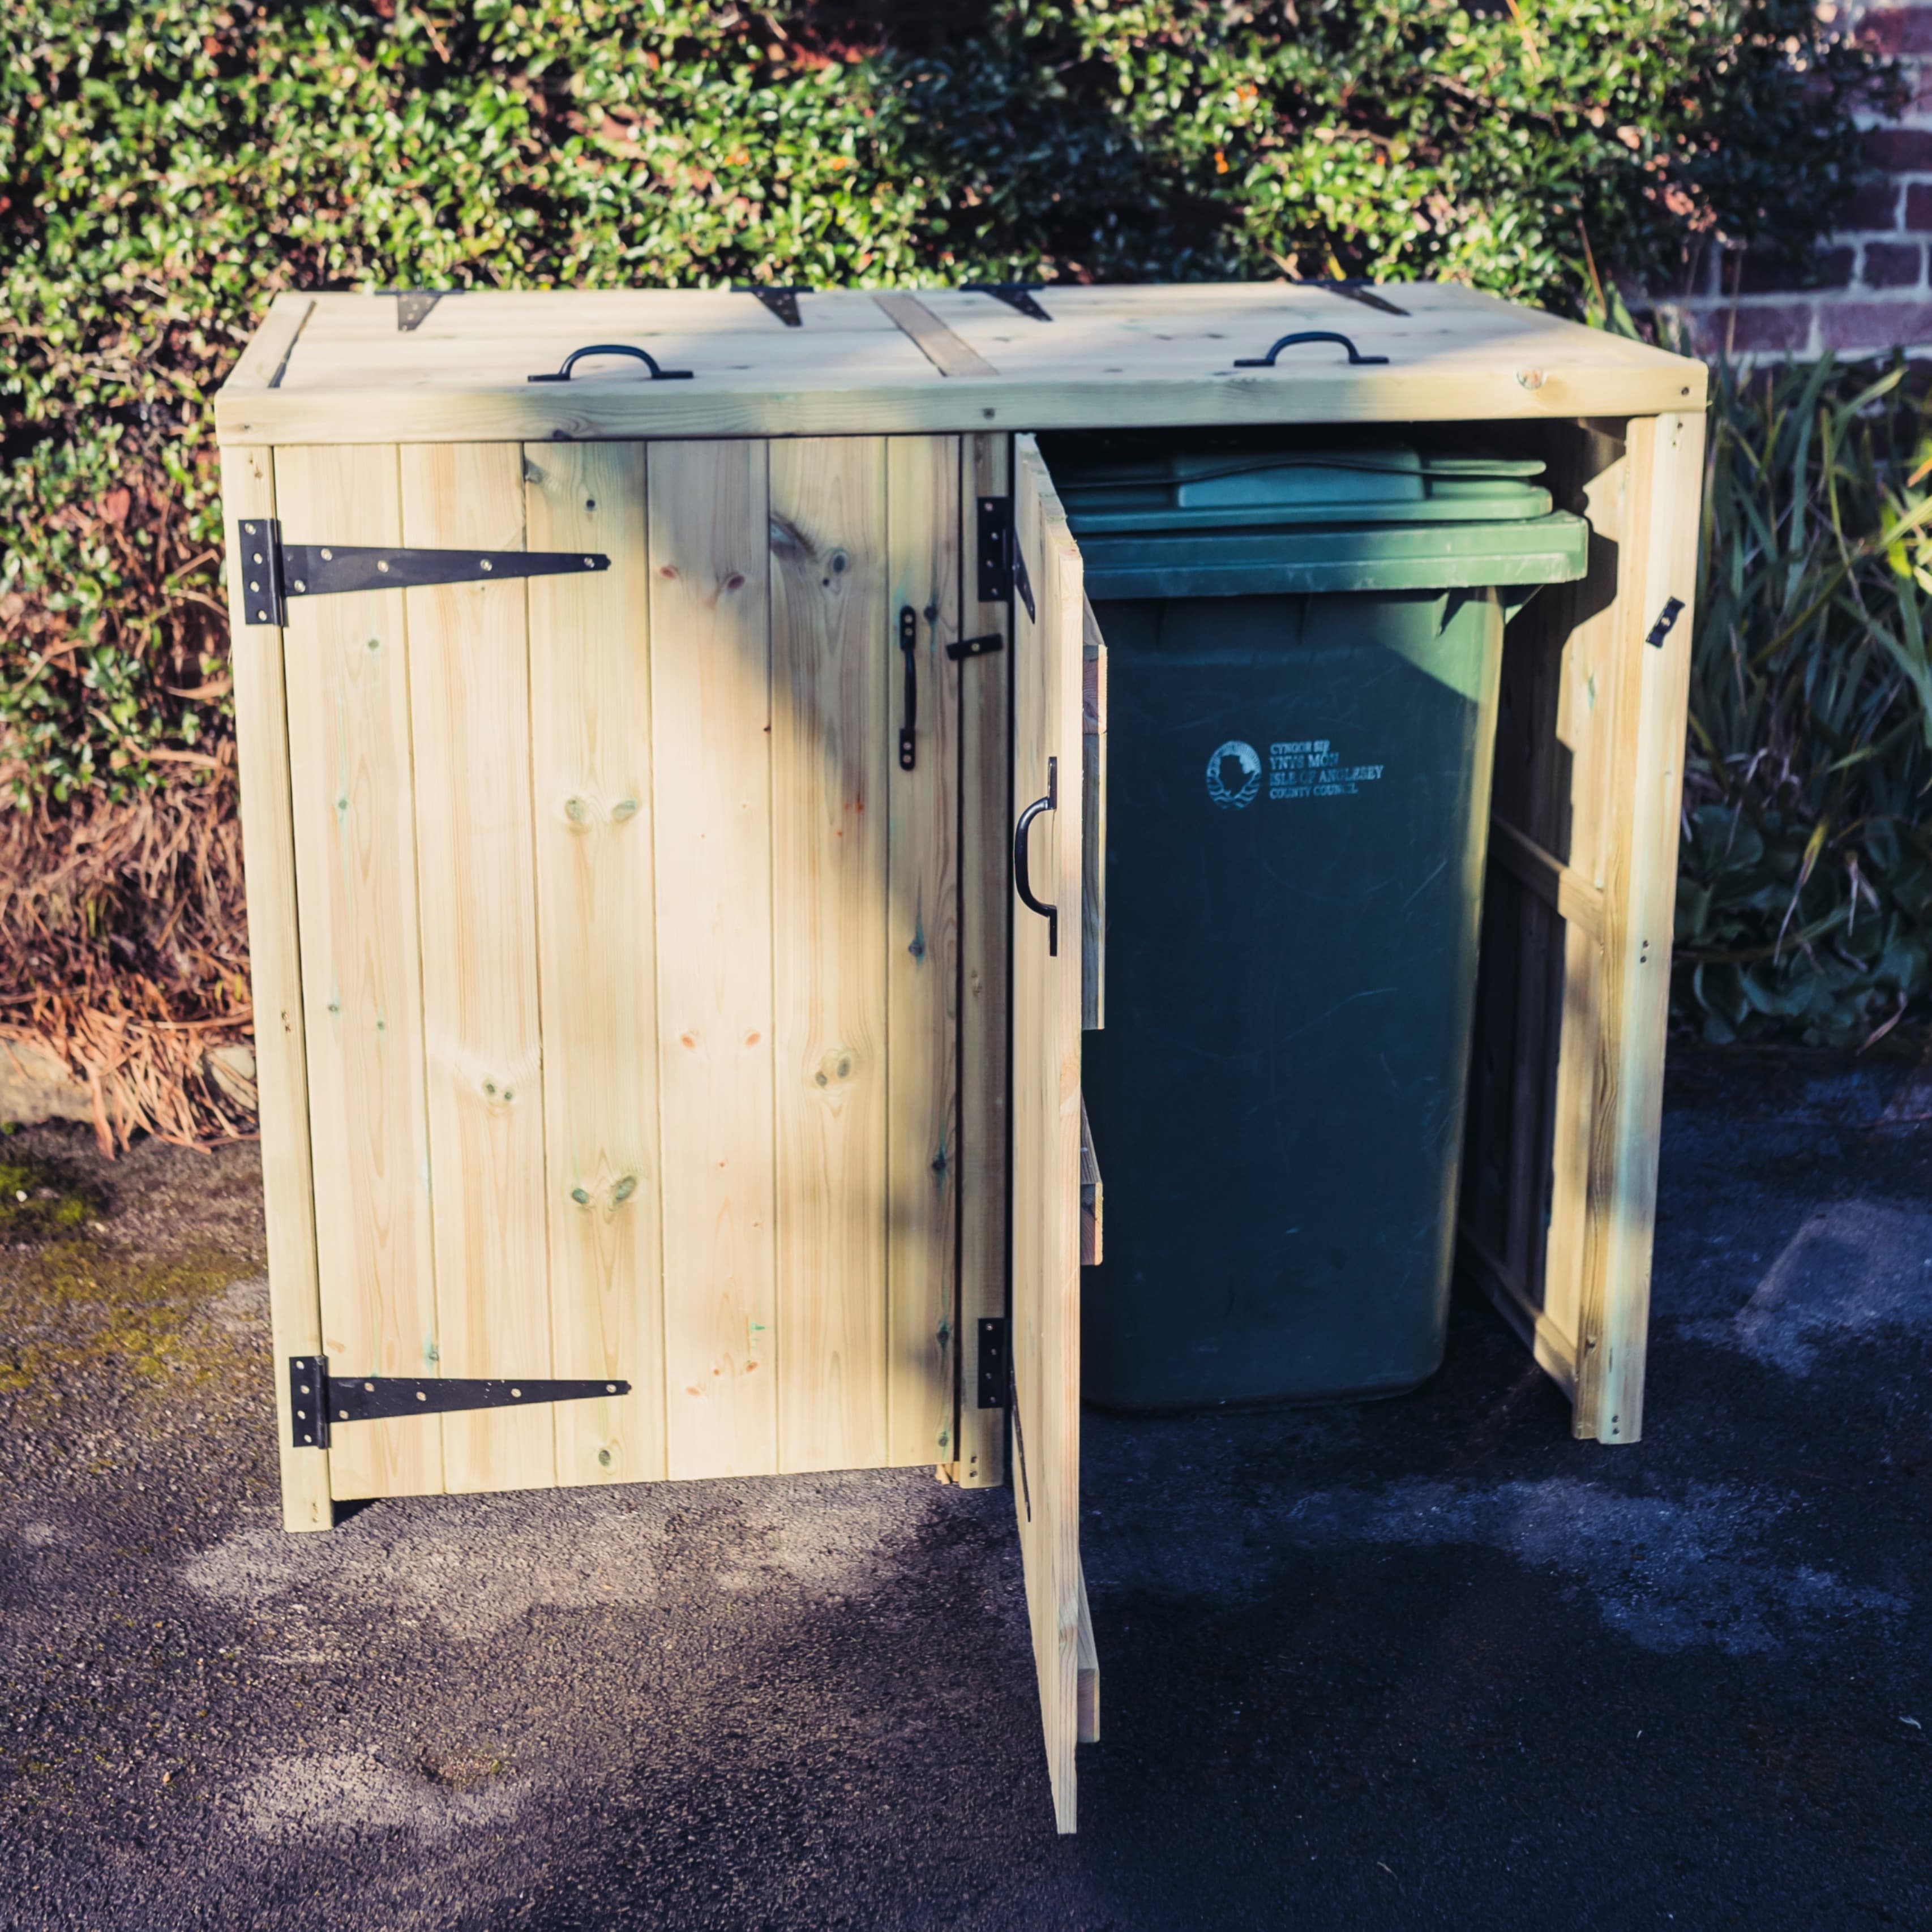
<point>636,694</point>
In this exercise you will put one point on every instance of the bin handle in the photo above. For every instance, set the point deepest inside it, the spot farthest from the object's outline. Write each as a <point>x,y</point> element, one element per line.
<point>1267,361</point>
<point>644,355</point>
<point>1022,878</point>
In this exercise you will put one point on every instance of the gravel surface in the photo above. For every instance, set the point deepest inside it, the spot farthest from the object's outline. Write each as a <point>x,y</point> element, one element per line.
<point>1425,1663</point>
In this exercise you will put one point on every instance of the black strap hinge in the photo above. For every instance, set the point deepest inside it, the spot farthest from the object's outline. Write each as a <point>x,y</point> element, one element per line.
<point>1016,294</point>
<point>1002,569</point>
<point>996,1365</point>
<point>273,571</point>
<point>317,1400</point>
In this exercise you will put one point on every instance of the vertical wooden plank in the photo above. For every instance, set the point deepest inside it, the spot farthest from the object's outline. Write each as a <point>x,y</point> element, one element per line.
<point>590,724</point>
<point>1046,1324</point>
<point>986,876</point>
<point>923,476</point>
<point>275,965</point>
<point>1640,879</point>
<point>349,717</point>
<point>710,713</point>
<point>833,659</point>
<point>1093,822</point>
<point>475,860</point>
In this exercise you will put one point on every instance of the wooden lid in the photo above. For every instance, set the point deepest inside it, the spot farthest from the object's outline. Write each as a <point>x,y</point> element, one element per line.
<point>344,369</point>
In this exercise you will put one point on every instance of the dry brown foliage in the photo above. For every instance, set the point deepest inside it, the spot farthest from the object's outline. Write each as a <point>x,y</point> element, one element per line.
<point>123,953</point>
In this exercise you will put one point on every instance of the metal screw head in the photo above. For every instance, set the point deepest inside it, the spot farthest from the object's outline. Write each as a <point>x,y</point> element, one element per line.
<point>382,563</point>
<point>421,1396</point>
<point>516,1391</point>
<point>610,1388</point>
<point>370,1386</point>
<point>328,556</point>
<point>486,563</point>
<point>300,585</point>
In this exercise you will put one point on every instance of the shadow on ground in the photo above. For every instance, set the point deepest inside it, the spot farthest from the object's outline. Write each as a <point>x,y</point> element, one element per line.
<point>1428,1663</point>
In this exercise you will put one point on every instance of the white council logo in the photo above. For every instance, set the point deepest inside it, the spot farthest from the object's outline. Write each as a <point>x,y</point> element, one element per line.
<point>1247,761</point>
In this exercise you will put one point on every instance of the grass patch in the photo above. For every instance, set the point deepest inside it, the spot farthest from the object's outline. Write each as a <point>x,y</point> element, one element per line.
<point>37,1200</point>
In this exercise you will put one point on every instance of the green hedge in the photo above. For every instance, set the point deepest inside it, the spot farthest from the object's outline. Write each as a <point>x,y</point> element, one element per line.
<point>166,167</point>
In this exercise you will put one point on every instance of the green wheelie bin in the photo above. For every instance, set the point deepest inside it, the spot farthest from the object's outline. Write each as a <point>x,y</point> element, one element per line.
<point>1304,645</point>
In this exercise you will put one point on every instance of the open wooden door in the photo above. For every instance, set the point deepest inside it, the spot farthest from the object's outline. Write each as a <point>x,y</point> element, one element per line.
<point>1046,1112</point>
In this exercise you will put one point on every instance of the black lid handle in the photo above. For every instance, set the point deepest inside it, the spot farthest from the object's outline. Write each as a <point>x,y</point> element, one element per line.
<point>644,356</point>
<point>1267,361</point>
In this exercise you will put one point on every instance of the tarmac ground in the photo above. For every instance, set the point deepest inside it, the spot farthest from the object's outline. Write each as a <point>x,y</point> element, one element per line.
<point>1426,1663</point>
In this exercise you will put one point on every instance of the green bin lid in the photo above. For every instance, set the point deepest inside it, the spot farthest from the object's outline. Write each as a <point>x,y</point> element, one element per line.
<point>1365,517</point>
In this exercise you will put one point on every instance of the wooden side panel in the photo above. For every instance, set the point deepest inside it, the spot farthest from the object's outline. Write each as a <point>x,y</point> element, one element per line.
<point>1046,1331</point>
<point>1094,823</point>
<point>711,707</point>
<point>476,862</point>
<point>352,793</point>
<point>274,961</point>
<point>590,721</point>
<point>832,661</point>
<point>1639,869</point>
<point>985,902</point>
<point>923,959</point>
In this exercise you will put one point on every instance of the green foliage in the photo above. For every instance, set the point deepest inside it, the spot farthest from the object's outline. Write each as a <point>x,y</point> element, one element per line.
<point>166,167</point>
<point>1806,874</point>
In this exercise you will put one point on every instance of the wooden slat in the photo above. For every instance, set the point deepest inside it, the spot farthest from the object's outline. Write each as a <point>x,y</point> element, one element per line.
<point>347,667</point>
<point>985,820</point>
<point>944,350</point>
<point>1574,898</point>
<point>922,963</point>
<point>1514,1301</point>
<point>590,725</point>
<point>266,357</point>
<point>1092,1197</point>
<point>274,966</point>
<point>711,709</point>
<point>1094,823</point>
<point>1665,456</point>
<point>1045,1330</point>
<point>832,660</point>
<point>1089,1672</point>
<point>475,866</point>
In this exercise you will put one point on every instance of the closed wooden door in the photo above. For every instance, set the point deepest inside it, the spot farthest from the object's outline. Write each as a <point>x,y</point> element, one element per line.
<point>629,953</point>
<point>1048,949</point>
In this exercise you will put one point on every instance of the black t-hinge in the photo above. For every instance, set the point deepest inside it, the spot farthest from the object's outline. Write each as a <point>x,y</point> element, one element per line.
<point>996,1366</point>
<point>317,1399</point>
<point>1002,569</point>
<point>273,571</point>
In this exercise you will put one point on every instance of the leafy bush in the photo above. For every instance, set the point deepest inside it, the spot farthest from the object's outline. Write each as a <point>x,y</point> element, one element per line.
<point>166,167</point>
<point>1806,874</point>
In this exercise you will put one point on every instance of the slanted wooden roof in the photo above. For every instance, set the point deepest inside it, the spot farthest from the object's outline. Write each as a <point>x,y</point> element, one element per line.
<point>342,369</point>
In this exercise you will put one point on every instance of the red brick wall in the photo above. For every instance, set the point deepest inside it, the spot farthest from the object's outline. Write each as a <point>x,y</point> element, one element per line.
<point>1874,296</point>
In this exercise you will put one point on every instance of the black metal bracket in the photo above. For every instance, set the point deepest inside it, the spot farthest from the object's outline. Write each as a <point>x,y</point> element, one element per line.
<point>318,1400</point>
<point>273,571</point>
<point>783,302</point>
<point>413,306</point>
<point>909,645</point>
<point>644,355</point>
<point>1357,289</point>
<point>1002,569</point>
<point>1666,623</point>
<point>1014,294</point>
<point>962,648</point>
<point>1355,355</point>
<point>996,1362</point>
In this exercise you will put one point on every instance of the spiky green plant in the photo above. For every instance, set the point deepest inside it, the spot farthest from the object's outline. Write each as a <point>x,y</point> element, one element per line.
<point>1807,871</point>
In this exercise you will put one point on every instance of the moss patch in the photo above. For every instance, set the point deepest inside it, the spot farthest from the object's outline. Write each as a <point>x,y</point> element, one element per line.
<point>72,1311</point>
<point>38,1200</point>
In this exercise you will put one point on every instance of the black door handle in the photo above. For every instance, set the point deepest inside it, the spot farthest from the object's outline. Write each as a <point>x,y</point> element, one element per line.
<point>909,643</point>
<point>1267,361</point>
<point>644,355</point>
<point>1022,878</point>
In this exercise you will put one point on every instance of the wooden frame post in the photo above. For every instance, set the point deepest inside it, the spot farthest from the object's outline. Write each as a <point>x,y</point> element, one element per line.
<point>281,1069</point>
